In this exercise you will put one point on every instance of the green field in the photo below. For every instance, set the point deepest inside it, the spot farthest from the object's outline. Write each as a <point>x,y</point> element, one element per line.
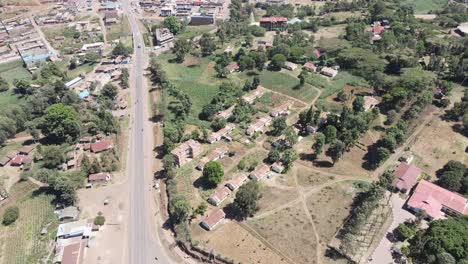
<point>116,31</point>
<point>193,31</point>
<point>14,70</point>
<point>283,83</point>
<point>333,85</point>
<point>197,80</point>
<point>22,241</point>
<point>425,6</point>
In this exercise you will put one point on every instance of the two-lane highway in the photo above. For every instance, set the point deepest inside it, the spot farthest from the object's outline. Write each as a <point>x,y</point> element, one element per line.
<point>144,244</point>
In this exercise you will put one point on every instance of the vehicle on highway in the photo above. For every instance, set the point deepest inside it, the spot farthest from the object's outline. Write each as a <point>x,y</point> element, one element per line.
<point>139,45</point>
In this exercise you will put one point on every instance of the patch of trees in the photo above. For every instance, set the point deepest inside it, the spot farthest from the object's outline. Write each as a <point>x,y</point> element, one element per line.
<point>181,48</point>
<point>245,203</point>
<point>4,86</point>
<point>10,215</point>
<point>173,24</point>
<point>124,78</point>
<point>283,152</point>
<point>121,50</point>
<point>443,242</point>
<point>213,173</point>
<point>454,176</point>
<point>379,152</point>
<point>281,10</point>
<point>459,112</point>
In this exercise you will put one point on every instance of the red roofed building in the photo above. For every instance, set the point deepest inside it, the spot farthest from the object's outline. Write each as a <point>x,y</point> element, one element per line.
<point>101,146</point>
<point>214,218</point>
<point>25,150</point>
<point>99,177</point>
<point>406,176</point>
<point>186,152</point>
<point>219,195</point>
<point>232,67</point>
<point>17,160</point>
<point>377,29</point>
<point>260,172</point>
<point>435,201</point>
<point>236,182</point>
<point>274,23</point>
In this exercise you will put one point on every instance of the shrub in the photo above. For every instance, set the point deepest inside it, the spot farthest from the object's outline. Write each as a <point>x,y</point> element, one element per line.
<point>10,215</point>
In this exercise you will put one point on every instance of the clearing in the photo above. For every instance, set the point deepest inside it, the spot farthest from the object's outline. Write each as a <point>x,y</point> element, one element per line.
<point>425,6</point>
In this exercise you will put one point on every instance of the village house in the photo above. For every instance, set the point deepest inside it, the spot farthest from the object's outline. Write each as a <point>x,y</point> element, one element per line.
<point>201,19</point>
<point>186,152</point>
<point>260,172</point>
<point>259,126</point>
<point>4,161</point>
<point>216,136</point>
<point>69,213</point>
<point>257,93</point>
<point>232,67</point>
<point>282,109</point>
<point>370,102</point>
<point>213,219</point>
<point>274,23</point>
<point>406,175</point>
<point>217,154</point>
<point>236,181</point>
<point>25,150</point>
<point>101,146</point>
<point>329,72</point>
<point>290,66</point>
<point>163,36</point>
<point>309,66</point>
<point>82,228</point>
<point>99,177</point>
<point>69,251</point>
<point>226,113</point>
<point>93,47</point>
<point>219,195</point>
<point>277,167</point>
<point>436,201</point>
<point>19,160</point>
<point>111,17</point>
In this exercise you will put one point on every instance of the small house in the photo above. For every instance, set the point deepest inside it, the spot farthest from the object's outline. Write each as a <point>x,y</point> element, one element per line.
<point>274,23</point>
<point>257,93</point>
<point>282,109</point>
<point>25,150</point>
<point>309,66</point>
<point>226,113</point>
<point>82,228</point>
<point>290,66</point>
<point>236,182</point>
<point>259,172</point>
<point>68,214</point>
<point>186,152</point>
<point>101,146</point>
<point>277,167</point>
<point>370,102</point>
<point>213,219</point>
<point>216,136</point>
<point>99,177</point>
<point>217,154</point>
<point>232,67</point>
<point>259,126</point>
<point>329,72</point>
<point>406,175</point>
<point>219,195</point>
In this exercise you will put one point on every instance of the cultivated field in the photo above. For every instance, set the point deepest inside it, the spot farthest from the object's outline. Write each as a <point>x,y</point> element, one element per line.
<point>119,30</point>
<point>426,6</point>
<point>13,70</point>
<point>22,242</point>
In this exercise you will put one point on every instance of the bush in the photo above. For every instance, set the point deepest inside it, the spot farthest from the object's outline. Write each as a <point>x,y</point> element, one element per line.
<point>10,215</point>
<point>99,220</point>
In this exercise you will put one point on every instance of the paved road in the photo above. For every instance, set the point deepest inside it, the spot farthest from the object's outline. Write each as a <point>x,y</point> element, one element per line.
<point>145,245</point>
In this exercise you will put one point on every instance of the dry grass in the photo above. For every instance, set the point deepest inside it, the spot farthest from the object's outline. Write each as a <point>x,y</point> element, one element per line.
<point>307,178</point>
<point>240,245</point>
<point>290,232</point>
<point>329,32</point>
<point>273,197</point>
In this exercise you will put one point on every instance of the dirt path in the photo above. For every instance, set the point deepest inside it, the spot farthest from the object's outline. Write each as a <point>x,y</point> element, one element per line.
<point>287,96</point>
<point>44,39</point>
<point>302,198</point>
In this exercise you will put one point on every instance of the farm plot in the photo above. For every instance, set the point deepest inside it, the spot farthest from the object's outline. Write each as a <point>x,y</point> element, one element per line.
<point>290,232</point>
<point>241,246</point>
<point>283,83</point>
<point>22,242</point>
<point>118,30</point>
<point>333,85</point>
<point>14,70</point>
<point>425,6</point>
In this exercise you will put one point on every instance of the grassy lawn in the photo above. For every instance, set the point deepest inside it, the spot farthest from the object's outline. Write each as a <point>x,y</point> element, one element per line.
<point>425,6</point>
<point>282,83</point>
<point>22,241</point>
<point>193,31</point>
<point>196,77</point>
<point>14,70</point>
<point>333,85</point>
<point>118,30</point>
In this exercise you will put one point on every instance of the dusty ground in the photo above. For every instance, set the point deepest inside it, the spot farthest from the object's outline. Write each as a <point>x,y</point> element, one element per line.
<point>329,32</point>
<point>242,245</point>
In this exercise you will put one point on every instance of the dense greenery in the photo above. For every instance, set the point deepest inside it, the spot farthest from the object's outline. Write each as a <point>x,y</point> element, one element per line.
<point>10,215</point>
<point>246,199</point>
<point>213,173</point>
<point>443,237</point>
<point>454,176</point>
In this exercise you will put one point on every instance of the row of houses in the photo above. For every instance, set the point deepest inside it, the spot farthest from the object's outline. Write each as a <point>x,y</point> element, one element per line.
<point>18,158</point>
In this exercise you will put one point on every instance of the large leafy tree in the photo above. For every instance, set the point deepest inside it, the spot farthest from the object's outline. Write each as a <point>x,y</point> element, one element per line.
<point>179,209</point>
<point>207,44</point>
<point>246,199</point>
<point>335,151</point>
<point>181,48</point>
<point>60,123</point>
<point>173,24</point>
<point>213,173</point>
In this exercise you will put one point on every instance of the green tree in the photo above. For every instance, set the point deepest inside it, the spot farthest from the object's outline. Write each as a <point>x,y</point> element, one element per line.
<point>278,61</point>
<point>288,157</point>
<point>173,24</point>
<point>358,104</point>
<point>330,133</point>
<point>213,173</point>
<point>179,209</point>
<point>3,85</point>
<point>218,123</point>
<point>109,91</point>
<point>335,151</point>
<point>64,189</point>
<point>207,44</point>
<point>53,156</point>
<point>405,231</point>
<point>124,78</point>
<point>318,144</point>
<point>181,48</point>
<point>121,50</point>
<point>279,124</point>
<point>274,155</point>
<point>246,200</point>
<point>10,215</point>
<point>22,86</point>
<point>60,123</point>
<point>382,154</point>
<point>99,220</point>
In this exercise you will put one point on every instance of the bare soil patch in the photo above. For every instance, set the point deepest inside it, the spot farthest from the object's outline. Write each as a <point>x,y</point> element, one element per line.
<point>274,197</point>
<point>240,245</point>
<point>290,232</point>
